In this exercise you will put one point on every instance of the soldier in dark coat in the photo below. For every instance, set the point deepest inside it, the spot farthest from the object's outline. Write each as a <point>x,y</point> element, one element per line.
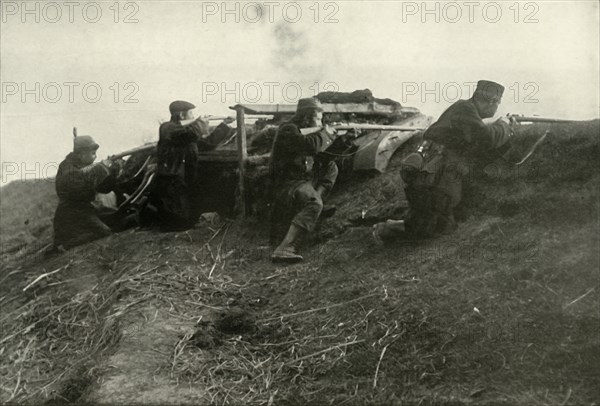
<point>298,190</point>
<point>78,180</point>
<point>452,147</point>
<point>174,193</point>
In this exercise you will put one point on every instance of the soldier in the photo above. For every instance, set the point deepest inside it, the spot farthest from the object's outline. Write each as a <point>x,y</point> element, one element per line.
<point>174,191</point>
<point>433,174</point>
<point>76,220</point>
<point>297,190</point>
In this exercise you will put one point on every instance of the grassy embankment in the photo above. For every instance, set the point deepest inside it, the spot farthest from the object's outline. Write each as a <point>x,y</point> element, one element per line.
<point>503,311</point>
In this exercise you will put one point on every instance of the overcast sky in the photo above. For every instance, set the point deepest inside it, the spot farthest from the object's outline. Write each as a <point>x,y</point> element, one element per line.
<point>111,69</point>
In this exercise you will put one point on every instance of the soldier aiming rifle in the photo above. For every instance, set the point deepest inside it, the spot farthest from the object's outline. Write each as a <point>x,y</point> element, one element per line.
<point>433,174</point>
<point>76,220</point>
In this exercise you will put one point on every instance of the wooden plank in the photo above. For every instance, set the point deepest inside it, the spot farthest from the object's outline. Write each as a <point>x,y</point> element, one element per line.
<point>266,109</point>
<point>363,108</point>
<point>242,156</point>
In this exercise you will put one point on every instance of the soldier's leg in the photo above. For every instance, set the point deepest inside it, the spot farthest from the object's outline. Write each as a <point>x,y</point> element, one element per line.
<point>446,196</point>
<point>324,185</point>
<point>90,228</point>
<point>433,217</point>
<point>443,212</point>
<point>417,224</point>
<point>326,181</point>
<point>420,220</point>
<point>280,214</point>
<point>174,208</point>
<point>308,204</point>
<point>119,221</point>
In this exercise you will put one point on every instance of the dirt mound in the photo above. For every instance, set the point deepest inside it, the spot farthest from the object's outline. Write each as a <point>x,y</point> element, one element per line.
<point>502,312</point>
<point>26,210</point>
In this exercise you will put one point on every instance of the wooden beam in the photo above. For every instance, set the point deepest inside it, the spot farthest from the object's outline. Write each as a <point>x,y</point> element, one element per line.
<point>242,156</point>
<point>371,108</point>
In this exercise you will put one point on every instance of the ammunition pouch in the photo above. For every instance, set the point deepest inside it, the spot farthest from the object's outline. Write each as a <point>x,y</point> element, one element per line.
<point>425,165</point>
<point>430,206</point>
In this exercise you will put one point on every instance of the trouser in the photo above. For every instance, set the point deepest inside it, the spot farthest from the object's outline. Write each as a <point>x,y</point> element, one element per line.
<point>73,227</point>
<point>430,212</point>
<point>174,203</point>
<point>442,191</point>
<point>432,196</point>
<point>299,203</point>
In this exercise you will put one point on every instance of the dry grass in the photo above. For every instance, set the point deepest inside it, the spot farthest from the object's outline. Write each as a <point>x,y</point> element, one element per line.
<point>505,311</point>
<point>55,336</point>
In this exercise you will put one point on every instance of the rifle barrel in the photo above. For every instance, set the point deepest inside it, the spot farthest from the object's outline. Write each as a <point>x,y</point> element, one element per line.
<point>534,119</point>
<point>144,147</point>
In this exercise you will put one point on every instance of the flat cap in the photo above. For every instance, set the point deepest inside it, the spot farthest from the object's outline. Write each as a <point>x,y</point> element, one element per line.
<point>179,106</point>
<point>489,89</point>
<point>309,103</point>
<point>84,143</point>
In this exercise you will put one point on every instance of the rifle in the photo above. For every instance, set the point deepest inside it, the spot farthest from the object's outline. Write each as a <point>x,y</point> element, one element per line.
<point>363,126</point>
<point>145,147</point>
<point>535,119</point>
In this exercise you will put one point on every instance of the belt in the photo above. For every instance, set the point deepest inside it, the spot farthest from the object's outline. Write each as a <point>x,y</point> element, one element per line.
<point>428,147</point>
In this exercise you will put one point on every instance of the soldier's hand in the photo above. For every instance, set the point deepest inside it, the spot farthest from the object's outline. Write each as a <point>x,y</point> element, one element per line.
<point>106,162</point>
<point>510,120</point>
<point>229,120</point>
<point>118,164</point>
<point>504,120</point>
<point>330,130</point>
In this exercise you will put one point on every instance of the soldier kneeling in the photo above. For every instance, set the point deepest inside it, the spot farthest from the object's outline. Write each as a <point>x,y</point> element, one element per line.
<point>433,175</point>
<point>78,180</point>
<point>297,190</point>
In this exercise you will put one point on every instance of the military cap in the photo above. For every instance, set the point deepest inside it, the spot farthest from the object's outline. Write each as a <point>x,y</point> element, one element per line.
<point>84,143</point>
<point>489,89</point>
<point>309,103</point>
<point>179,106</point>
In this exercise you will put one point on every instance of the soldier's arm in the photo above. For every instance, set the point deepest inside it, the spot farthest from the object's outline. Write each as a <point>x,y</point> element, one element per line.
<point>82,183</point>
<point>497,134</point>
<point>95,174</point>
<point>182,135</point>
<point>307,144</point>
<point>109,182</point>
<point>488,136</point>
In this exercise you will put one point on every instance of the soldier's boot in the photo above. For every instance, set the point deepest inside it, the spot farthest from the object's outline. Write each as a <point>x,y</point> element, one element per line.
<point>286,251</point>
<point>391,229</point>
